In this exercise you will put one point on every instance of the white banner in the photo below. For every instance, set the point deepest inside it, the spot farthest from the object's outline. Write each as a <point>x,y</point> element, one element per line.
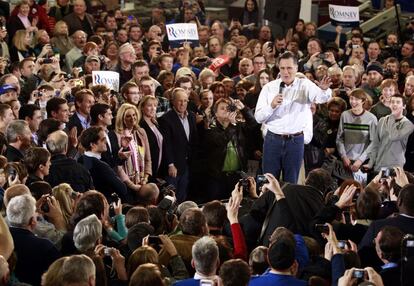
<point>344,15</point>
<point>182,32</point>
<point>108,78</point>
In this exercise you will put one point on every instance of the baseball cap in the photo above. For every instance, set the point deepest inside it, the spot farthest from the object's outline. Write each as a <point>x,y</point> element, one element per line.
<point>6,88</point>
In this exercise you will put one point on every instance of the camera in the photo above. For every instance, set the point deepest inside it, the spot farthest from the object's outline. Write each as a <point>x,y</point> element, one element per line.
<point>47,61</point>
<point>322,228</point>
<point>108,251</point>
<point>159,49</point>
<point>261,180</point>
<point>244,182</point>
<point>322,56</point>
<point>358,273</point>
<point>231,107</point>
<point>387,172</point>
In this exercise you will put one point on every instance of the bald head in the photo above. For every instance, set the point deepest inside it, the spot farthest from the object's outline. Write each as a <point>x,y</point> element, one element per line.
<point>14,191</point>
<point>57,142</point>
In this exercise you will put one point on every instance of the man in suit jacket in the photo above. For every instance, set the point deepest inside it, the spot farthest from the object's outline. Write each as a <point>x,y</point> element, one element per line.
<point>84,100</point>
<point>63,168</point>
<point>35,254</point>
<point>404,220</point>
<point>79,19</point>
<point>178,127</point>
<point>101,116</point>
<point>19,137</point>
<point>205,261</point>
<point>104,177</point>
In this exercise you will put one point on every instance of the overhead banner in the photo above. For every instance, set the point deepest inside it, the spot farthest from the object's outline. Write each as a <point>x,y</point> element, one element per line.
<point>181,33</point>
<point>344,16</point>
<point>108,78</point>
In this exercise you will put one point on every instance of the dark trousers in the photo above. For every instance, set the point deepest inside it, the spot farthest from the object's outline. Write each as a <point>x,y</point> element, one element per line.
<point>220,188</point>
<point>181,184</point>
<point>281,154</point>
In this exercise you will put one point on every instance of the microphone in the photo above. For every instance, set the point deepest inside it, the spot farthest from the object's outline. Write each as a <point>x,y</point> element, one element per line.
<point>282,87</point>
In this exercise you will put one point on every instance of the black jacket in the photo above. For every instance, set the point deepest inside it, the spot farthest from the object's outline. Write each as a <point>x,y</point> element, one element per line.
<point>154,148</point>
<point>294,213</point>
<point>178,150</point>
<point>74,121</point>
<point>14,155</point>
<point>217,139</point>
<point>104,177</point>
<point>110,156</point>
<point>35,255</point>
<point>67,170</point>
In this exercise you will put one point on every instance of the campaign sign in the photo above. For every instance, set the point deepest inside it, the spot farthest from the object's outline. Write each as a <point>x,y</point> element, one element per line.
<point>345,16</point>
<point>108,78</point>
<point>182,32</point>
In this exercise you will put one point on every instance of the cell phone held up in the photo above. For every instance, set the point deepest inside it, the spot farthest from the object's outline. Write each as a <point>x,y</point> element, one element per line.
<point>322,228</point>
<point>154,240</point>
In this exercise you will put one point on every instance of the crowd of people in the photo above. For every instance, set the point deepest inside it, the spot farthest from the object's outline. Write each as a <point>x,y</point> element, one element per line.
<point>246,159</point>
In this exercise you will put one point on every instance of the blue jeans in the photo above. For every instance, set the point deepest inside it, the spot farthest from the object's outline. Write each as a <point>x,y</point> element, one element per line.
<point>283,154</point>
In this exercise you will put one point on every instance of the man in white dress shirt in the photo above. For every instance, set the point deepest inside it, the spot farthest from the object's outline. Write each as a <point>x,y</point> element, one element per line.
<point>283,107</point>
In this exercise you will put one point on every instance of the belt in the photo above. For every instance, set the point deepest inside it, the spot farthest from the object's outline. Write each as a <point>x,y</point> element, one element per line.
<point>289,136</point>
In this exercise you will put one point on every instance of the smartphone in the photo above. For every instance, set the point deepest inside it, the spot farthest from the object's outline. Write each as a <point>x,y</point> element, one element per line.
<point>342,244</point>
<point>270,45</point>
<point>159,49</point>
<point>47,61</point>
<point>12,173</point>
<point>154,239</point>
<point>347,216</point>
<point>355,46</point>
<point>322,56</point>
<point>322,228</point>
<point>130,17</point>
<point>387,172</point>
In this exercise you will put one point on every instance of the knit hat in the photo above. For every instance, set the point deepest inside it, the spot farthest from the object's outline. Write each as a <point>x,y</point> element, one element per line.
<point>375,66</point>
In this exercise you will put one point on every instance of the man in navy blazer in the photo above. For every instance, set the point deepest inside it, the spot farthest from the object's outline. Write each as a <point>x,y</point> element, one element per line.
<point>178,126</point>
<point>34,254</point>
<point>84,100</point>
<point>104,177</point>
<point>205,261</point>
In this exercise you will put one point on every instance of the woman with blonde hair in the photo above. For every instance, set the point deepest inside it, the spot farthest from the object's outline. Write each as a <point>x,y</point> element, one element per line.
<point>148,111</point>
<point>134,142</point>
<point>66,197</point>
<point>21,46</point>
<point>60,39</point>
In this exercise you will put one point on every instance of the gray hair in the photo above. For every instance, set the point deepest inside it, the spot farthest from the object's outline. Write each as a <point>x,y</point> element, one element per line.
<point>87,232</point>
<point>20,210</point>
<point>184,206</point>
<point>205,255</point>
<point>14,129</point>
<point>77,269</point>
<point>57,142</point>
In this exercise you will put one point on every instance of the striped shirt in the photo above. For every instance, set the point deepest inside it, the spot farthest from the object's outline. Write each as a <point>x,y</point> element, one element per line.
<point>355,133</point>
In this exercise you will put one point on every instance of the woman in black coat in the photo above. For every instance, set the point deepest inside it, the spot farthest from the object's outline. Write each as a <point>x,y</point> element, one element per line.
<point>148,109</point>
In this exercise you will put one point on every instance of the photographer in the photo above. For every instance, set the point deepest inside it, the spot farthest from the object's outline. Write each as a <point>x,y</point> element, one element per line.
<point>225,143</point>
